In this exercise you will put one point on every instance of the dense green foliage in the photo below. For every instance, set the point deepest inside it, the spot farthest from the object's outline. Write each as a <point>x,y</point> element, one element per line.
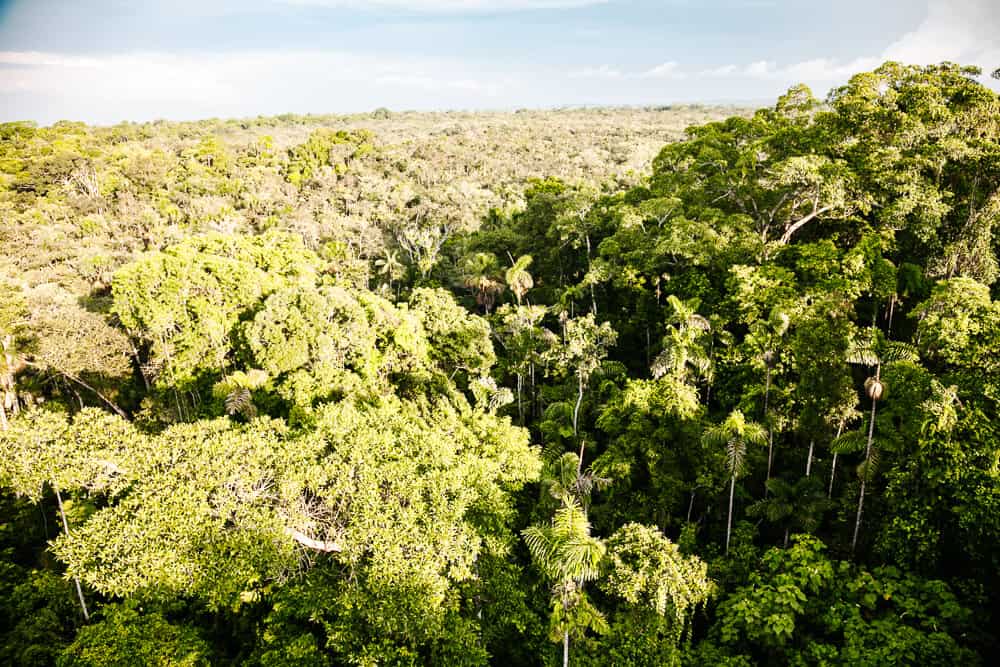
<point>740,410</point>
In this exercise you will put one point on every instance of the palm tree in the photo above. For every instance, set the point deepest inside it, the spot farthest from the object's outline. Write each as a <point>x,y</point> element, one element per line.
<point>568,556</point>
<point>480,276</point>
<point>875,356</point>
<point>568,483</point>
<point>389,266</point>
<point>518,279</point>
<point>685,350</point>
<point>768,336</point>
<point>734,433</point>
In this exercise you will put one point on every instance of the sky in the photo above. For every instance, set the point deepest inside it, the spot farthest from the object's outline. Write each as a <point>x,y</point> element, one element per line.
<point>104,61</point>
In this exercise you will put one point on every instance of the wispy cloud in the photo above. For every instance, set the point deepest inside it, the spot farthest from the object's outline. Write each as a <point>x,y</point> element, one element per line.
<point>599,72</point>
<point>667,70</point>
<point>447,6</point>
<point>962,31</point>
<point>231,83</point>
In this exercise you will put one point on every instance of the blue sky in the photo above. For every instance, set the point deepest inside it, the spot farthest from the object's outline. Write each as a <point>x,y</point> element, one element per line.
<point>108,60</point>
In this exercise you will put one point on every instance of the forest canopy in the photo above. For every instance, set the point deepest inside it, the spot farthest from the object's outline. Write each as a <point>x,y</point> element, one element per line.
<point>338,399</point>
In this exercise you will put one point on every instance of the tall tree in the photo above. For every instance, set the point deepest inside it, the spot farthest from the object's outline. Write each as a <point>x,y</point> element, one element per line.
<point>875,355</point>
<point>568,555</point>
<point>584,345</point>
<point>518,279</point>
<point>767,337</point>
<point>735,433</point>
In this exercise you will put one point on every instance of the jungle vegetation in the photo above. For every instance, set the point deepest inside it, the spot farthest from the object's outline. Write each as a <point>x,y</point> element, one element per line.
<point>508,389</point>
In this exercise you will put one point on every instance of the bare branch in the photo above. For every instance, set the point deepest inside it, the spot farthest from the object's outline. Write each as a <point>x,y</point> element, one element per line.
<point>311,543</point>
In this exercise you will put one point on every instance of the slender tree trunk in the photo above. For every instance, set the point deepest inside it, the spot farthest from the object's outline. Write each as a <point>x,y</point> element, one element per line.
<point>690,507</point>
<point>566,648</point>
<point>520,407</point>
<point>833,464</point>
<point>892,308</point>
<point>729,521</point>
<point>864,478</point>
<point>534,394</point>
<point>76,580</point>
<point>809,461</point>
<point>579,400</point>
<point>833,473</point>
<point>770,431</point>
<point>647,346</point>
<point>857,520</point>
<point>3,412</point>
<point>785,546</point>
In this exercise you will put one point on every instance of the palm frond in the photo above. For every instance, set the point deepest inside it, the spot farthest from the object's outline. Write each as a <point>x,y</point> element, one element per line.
<point>696,321</point>
<point>755,434</point>
<point>896,351</point>
<point>736,451</point>
<point>864,355</point>
<point>541,546</point>
<point>240,402</point>
<point>868,468</point>
<point>849,443</point>
<point>717,436</point>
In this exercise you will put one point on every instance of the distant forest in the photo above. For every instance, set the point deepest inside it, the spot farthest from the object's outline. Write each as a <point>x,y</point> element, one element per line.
<point>686,385</point>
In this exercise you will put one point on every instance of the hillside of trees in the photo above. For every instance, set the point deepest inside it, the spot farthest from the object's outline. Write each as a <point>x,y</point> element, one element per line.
<point>674,386</point>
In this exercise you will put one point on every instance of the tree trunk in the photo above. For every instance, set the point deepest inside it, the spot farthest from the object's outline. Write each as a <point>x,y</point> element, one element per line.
<point>534,394</point>
<point>647,346</point>
<point>520,407</point>
<point>770,432</point>
<point>579,400</point>
<point>566,647</point>
<point>833,473</point>
<point>3,412</point>
<point>892,308</point>
<point>729,521</point>
<point>833,464</point>
<point>76,580</point>
<point>857,520</point>
<point>794,227</point>
<point>864,478</point>
<point>690,507</point>
<point>809,461</point>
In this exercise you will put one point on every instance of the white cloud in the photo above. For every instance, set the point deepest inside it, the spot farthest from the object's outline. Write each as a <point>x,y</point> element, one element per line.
<point>39,59</point>
<point>964,31</point>
<point>724,70</point>
<point>206,84</point>
<point>667,70</point>
<point>961,31</point>
<point>448,6</point>
<point>761,68</point>
<point>601,72</point>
